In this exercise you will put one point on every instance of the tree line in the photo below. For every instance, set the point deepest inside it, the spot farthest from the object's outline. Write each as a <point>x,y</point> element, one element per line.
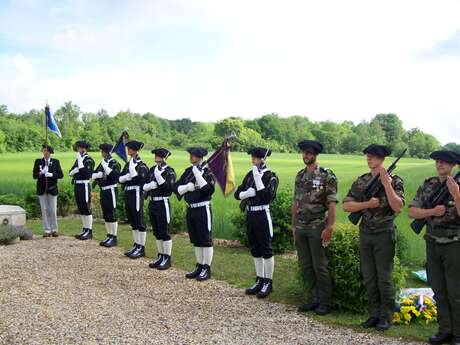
<point>25,131</point>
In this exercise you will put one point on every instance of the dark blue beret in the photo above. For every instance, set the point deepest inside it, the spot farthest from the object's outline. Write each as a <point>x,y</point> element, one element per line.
<point>446,156</point>
<point>312,146</point>
<point>161,152</point>
<point>48,148</point>
<point>260,152</point>
<point>83,144</point>
<point>106,147</point>
<point>197,151</point>
<point>378,150</point>
<point>134,145</point>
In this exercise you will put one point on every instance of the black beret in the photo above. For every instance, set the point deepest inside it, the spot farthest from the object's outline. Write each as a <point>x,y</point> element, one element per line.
<point>378,150</point>
<point>48,148</point>
<point>312,146</point>
<point>446,156</point>
<point>161,152</point>
<point>134,145</point>
<point>83,144</point>
<point>260,152</point>
<point>197,151</point>
<point>106,147</point>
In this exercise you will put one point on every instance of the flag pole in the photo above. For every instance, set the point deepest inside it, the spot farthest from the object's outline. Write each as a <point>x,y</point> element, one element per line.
<point>46,141</point>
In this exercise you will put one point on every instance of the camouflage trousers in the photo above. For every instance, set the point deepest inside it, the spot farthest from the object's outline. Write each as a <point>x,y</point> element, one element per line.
<point>377,251</point>
<point>313,260</point>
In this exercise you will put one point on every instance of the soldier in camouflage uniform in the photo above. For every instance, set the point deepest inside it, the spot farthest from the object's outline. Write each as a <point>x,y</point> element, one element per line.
<point>377,236</point>
<point>313,218</point>
<point>442,239</point>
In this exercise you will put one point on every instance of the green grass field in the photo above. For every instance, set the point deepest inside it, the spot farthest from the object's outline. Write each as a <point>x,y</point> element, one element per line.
<point>16,178</point>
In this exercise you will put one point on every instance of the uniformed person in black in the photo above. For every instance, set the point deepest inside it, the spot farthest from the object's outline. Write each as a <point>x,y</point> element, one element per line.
<point>81,172</point>
<point>133,176</point>
<point>47,171</point>
<point>442,240</point>
<point>258,191</point>
<point>106,176</point>
<point>160,187</point>
<point>196,185</point>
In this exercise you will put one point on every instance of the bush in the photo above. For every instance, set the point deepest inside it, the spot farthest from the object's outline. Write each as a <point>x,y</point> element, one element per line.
<point>281,217</point>
<point>7,234</point>
<point>349,293</point>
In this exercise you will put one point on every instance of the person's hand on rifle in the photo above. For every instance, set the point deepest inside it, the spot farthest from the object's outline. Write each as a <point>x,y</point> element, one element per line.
<point>439,210</point>
<point>373,203</point>
<point>453,188</point>
<point>385,178</point>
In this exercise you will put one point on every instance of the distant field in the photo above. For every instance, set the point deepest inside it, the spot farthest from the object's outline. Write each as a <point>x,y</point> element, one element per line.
<point>16,177</point>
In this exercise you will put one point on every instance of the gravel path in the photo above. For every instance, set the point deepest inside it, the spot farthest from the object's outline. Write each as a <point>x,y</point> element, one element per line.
<point>64,291</point>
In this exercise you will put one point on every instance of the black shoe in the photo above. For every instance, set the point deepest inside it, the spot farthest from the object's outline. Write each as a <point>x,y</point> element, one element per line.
<point>87,235</point>
<point>154,264</point>
<point>370,322</point>
<point>307,307</point>
<point>54,234</point>
<point>383,325</point>
<point>266,289</point>
<point>138,253</point>
<point>165,263</point>
<point>441,338</point>
<point>80,234</point>
<point>102,243</point>
<point>46,234</point>
<point>323,309</point>
<point>456,340</point>
<point>193,274</point>
<point>205,273</point>
<point>112,242</point>
<point>256,287</point>
<point>129,252</point>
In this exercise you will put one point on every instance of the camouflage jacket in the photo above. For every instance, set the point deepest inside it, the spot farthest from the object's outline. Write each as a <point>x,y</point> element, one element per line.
<point>314,191</point>
<point>444,229</point>
<point>382,217</point>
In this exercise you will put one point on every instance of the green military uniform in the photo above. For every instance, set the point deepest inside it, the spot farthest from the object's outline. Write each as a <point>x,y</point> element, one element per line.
<point>443,258</point>
<point>377,240</point>
<point>313,193</point>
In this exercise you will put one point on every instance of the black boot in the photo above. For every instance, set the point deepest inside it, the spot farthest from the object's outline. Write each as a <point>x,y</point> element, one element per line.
<point>165,263</point>
<point>103,242</point>
<point>307,307</point>
<point>193,274</point>
<point>77,236</point>
<point>138,253</point>
<point>129,252</point>
<point>266,289</point>
<point>157,262</point>
<point>112,242</point>
<point>383,325</point>
<point>205,273</point>
<point>323,309</point>
<point>87,235</point>
<point>440,338</point>
<point>256,287</point>
<point>370,322</point>
<point>456,340</point>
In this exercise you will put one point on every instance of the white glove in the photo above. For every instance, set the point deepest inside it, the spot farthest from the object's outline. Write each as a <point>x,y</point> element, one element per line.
<point>189,187</point>
<point>125,178</point>
<point>73,171</point>
<point>79,161</point>
<point>97,175</point>
<point>249,193</point>
<point>45,170</point>
<point>106,168</point>
<point>158,177</point>
<point>132,168</point>
<point>257,178</point>
<point>199,176</point>
<point>48,174</point>
<point>150,186</point>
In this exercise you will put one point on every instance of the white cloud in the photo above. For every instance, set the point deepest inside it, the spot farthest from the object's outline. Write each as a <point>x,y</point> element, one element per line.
<point>335,60</point>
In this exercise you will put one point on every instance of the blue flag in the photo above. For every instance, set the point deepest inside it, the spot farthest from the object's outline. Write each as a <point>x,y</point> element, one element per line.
<point>120,146</point>
<point>51,122</point>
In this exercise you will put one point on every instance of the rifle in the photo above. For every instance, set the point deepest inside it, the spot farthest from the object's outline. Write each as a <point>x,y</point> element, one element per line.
<point>373,188</point>
<point>437,197</point>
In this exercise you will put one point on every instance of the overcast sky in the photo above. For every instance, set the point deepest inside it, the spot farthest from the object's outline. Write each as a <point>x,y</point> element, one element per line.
<point>210,59</point>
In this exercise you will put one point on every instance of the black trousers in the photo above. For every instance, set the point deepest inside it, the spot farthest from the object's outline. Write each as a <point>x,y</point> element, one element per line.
<point>159,214</point>
<point>259,230</point>
<point>108,200</point>
<point>134,206</point>
<point>83,198</point>
<point>199,221</point>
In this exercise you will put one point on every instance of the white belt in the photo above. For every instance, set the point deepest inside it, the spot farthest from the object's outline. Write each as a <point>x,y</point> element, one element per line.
<point>199,204</point>
<point>258,208</point>
<point>112,188</point>
<point>159,198</point>
<point>136,188</point>
<point>86,183</point>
